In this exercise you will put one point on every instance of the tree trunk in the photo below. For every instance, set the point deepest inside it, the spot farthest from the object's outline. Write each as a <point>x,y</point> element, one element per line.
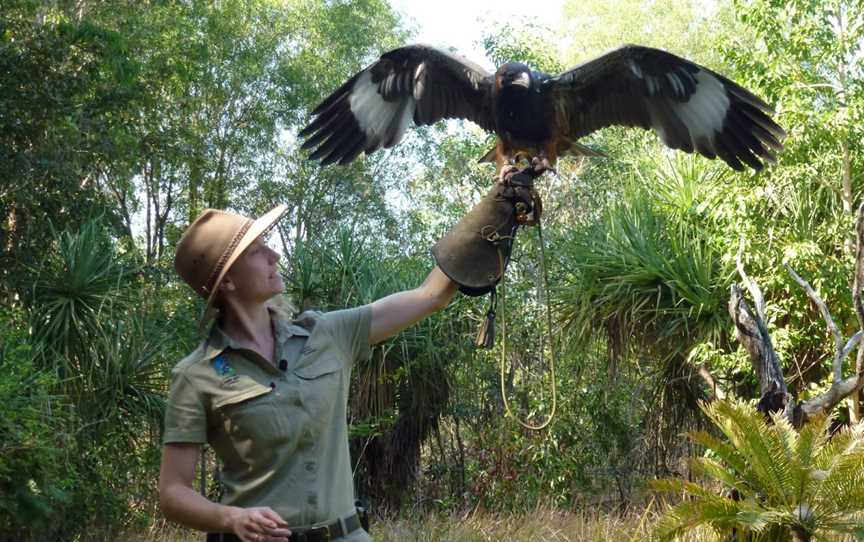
<point>752,333</point>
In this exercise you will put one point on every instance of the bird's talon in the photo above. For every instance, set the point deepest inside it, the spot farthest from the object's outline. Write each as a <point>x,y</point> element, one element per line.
<point>541,164</point>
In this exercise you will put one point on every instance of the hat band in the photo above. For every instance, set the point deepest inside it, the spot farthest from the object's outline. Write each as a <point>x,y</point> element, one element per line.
<point>214,275</point>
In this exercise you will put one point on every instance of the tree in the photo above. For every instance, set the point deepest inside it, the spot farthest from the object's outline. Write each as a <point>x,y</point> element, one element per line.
<point>67,86</point>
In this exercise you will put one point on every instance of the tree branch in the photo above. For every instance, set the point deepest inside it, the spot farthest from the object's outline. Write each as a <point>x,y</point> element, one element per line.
<point>828,400</point>
<point>829,321</point>
<point>752,287</point>
<point>709,379</point>
<point>840,388</point>
<point>753,334</point>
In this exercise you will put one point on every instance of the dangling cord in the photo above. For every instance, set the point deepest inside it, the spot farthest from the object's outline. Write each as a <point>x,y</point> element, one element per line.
<point>552,351</point>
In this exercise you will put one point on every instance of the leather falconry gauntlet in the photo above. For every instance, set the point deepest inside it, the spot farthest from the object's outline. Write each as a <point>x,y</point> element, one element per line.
<point>476,251</point>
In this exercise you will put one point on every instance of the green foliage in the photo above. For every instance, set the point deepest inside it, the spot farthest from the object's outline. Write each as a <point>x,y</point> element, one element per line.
<point>807,481</point>
<point>586,457</point>
<point>34,480</point>
<point>527,43</point>
<point>64,88</point>
<point>144,113</point>
<point>85,332</point>
<point>651,269</point>
<point>687,28</point>
<point>93,334</point>
<point>71,291</point>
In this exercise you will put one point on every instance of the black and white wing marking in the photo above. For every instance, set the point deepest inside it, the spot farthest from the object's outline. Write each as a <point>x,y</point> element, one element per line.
<point>690,107</point>
<point>374,108</point>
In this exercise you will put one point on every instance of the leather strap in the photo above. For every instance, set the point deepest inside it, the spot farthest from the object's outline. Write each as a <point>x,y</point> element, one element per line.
<point>331,531</point>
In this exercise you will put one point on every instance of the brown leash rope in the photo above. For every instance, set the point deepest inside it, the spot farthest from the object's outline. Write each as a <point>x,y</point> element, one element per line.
<point>552,351</point>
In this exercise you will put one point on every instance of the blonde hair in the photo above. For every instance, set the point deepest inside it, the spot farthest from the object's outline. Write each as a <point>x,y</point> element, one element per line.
<point>282,306</point>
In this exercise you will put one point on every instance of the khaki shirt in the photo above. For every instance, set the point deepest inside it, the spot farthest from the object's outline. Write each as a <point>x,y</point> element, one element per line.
<point>281,436</point>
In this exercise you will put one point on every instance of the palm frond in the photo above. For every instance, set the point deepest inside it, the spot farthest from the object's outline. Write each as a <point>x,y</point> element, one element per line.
<point>722,515</point>
<point>727,453</point>
<point>748,431</point>
<point>656,274</point>
<point>709,468</point>
<point>810,481</point>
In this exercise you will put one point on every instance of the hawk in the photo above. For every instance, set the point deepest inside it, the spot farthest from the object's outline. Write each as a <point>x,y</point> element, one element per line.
<point>541,117</point>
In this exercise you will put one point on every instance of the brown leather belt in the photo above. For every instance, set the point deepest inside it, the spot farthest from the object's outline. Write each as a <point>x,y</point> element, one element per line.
<point>324,533</point>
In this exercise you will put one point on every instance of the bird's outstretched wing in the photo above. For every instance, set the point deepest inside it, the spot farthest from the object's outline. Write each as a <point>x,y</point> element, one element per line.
<point>374,108</point>
<point>689,106</point>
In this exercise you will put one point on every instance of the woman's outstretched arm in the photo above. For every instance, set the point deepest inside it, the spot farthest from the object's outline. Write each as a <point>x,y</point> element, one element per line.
<point>393,313</point>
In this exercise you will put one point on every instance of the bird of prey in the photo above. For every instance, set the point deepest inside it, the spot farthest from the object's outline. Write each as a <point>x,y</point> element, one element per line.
<point>541,116</point>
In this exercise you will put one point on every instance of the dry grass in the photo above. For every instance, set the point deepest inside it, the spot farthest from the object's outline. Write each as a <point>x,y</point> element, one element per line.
<point>542,525</point>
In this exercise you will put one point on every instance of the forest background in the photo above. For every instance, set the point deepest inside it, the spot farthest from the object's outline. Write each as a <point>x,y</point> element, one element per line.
<point>121,120</point>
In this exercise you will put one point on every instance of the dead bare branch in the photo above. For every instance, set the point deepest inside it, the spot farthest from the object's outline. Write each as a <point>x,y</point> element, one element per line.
<point>841,388</point>
<point>829,399</point>
<point>753,334</point>
<point>752,287</point>
<point>851,343</point>
<point>829,321</point>
<point>706,375</point>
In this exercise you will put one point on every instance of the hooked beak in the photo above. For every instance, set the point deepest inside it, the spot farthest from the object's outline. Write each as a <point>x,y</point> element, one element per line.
<point>522,80</point>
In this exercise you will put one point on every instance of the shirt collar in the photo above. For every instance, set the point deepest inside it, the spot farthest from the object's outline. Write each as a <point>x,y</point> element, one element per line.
<point>218,341</point>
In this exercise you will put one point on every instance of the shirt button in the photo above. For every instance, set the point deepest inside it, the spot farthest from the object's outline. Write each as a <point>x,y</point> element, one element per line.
<point>310,466</point>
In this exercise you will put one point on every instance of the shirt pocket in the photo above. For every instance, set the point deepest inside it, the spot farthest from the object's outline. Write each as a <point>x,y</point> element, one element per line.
<point>252,423</point>
<point>321,388</point>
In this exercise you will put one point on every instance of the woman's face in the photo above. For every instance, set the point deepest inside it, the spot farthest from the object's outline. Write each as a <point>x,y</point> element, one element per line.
<point>254,277</point>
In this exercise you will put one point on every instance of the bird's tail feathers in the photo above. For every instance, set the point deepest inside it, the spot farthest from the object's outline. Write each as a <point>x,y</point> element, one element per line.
<point>577,149</point>
<point>488,157</point>
<point>565,147</point>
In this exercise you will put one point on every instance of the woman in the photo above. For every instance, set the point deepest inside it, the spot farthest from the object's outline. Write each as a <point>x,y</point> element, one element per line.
<point>269,393</point>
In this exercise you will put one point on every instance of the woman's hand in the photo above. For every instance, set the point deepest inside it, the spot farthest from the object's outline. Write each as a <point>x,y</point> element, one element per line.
<point>184,505</point>
<point>259,524</point>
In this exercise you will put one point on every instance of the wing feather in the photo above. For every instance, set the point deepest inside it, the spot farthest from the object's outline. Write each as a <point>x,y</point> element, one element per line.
<point>375,107</point>
<point>689,106</point>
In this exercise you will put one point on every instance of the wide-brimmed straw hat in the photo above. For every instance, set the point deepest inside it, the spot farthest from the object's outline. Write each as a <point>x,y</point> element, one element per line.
<point>211,245</point>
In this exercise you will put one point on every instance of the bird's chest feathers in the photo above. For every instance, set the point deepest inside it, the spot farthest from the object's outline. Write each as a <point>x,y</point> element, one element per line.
<point>521,115</point>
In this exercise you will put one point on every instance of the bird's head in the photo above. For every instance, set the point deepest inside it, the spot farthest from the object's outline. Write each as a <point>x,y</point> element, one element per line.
<point>513,74</point>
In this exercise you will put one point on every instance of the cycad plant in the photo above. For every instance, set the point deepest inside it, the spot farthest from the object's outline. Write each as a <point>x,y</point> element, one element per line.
<point>767,481</point>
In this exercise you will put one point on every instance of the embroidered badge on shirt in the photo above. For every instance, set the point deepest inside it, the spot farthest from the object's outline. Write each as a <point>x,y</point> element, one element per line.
<point>222,367</point>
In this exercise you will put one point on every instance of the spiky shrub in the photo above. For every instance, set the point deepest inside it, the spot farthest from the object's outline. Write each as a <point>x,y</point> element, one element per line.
<point>97,336</point>
<point>648,276</point>
<point>768,481</point>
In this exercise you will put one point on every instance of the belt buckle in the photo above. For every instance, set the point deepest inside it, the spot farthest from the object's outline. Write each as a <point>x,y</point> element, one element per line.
<point>319,533</point>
